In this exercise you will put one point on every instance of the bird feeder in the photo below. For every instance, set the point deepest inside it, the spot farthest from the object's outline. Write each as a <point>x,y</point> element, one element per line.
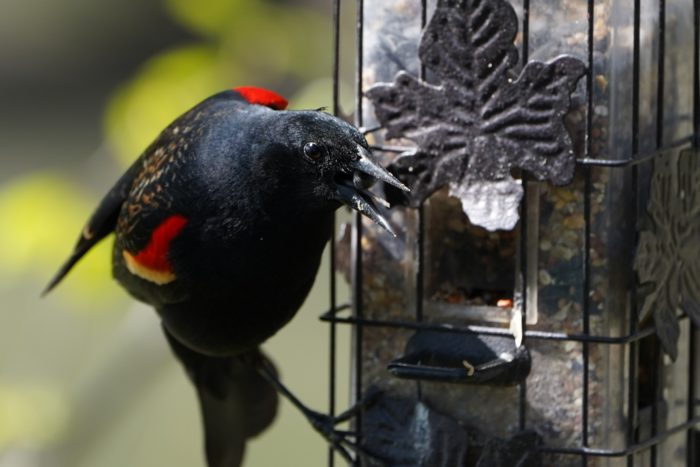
<point>541,301</point>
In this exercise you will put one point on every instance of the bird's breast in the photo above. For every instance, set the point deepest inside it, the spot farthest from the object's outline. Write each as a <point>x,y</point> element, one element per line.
<point>230,293</point>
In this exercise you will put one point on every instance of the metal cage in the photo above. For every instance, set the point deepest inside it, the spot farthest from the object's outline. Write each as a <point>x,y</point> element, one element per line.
<point>634,127</point>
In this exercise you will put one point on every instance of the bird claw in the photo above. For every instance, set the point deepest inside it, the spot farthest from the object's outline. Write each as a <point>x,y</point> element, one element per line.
<point>342,441</point>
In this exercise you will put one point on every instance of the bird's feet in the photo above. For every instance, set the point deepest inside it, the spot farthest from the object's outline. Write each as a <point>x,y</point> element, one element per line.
<point>342,441</point>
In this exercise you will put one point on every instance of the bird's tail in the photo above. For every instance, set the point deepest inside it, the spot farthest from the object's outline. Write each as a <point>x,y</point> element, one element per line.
<point>236,402</point>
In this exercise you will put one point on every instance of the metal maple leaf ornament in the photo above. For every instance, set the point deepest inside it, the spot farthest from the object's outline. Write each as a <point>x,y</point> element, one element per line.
<point>668,253</point>
<point>481,120</point>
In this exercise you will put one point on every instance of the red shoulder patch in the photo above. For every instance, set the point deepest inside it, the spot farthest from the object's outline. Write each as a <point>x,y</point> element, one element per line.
<point>262,96</point>
<point>151,263</point>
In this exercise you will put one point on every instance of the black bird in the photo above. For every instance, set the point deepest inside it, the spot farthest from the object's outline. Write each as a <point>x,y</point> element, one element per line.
<point>220,225</point>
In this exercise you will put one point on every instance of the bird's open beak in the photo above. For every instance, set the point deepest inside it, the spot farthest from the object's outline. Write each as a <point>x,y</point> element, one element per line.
<point>354,192</point>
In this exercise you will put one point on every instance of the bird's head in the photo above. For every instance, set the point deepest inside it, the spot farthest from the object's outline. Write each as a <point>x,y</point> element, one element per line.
<point>333,158</point>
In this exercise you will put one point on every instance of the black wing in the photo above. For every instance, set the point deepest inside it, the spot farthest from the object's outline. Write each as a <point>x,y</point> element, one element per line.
<point>144,187</point>
<point>101,223</point>
<point>236,402</point>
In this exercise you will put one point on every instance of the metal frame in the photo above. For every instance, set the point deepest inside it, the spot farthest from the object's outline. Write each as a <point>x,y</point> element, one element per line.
<point>338,313</point>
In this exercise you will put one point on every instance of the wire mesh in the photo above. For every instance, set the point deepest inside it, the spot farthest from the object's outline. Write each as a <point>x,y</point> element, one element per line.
<point>642,443</point>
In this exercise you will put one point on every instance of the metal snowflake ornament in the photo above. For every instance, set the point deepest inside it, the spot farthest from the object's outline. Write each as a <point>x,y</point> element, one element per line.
<point>668,254</point>
<point>480,119</point>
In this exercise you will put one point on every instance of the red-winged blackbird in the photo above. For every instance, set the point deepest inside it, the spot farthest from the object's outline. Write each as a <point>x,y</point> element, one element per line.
<point>220,226</point>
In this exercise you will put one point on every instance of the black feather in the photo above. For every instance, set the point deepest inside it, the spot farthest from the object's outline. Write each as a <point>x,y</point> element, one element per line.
<point>236,402</point>
<point>257,215</point>
<point>101,223</point>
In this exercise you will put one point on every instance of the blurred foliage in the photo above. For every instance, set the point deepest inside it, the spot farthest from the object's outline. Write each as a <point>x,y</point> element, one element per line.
<point>243,43</point>
<point>33,211</point>
<point>32,415</point>
<point>166,86</point>
<point>208,16</point>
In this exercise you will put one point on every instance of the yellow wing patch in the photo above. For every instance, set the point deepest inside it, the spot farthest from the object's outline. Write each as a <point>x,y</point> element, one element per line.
<point>160,277</point>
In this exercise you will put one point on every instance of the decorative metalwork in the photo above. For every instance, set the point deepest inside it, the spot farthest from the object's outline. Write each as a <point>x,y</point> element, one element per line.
<point>457,358</point>
<point>597,392</point>
<point>668,254</point>
<point>481,120</point>
<point>408,433</point>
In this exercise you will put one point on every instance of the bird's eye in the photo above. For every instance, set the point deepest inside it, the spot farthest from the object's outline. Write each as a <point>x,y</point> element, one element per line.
<point>313,151</point>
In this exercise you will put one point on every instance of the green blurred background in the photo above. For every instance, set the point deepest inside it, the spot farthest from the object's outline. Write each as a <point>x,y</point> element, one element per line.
<point>86,379</point>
